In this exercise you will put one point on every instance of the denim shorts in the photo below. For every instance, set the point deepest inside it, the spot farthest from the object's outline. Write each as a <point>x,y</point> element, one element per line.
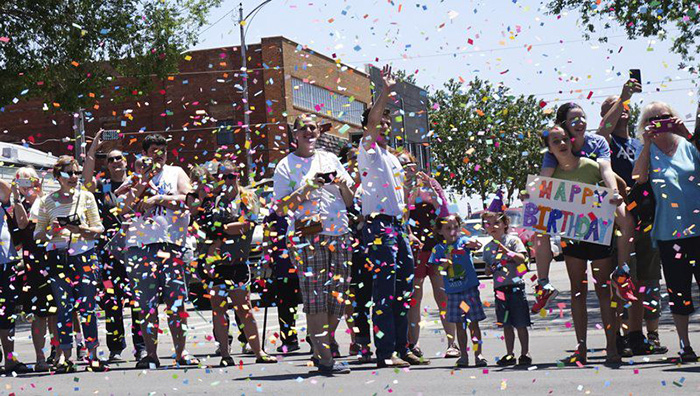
<point>512,308</point>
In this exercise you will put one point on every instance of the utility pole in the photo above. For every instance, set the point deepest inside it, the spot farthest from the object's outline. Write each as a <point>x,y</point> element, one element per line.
<point>246,107</point>
<point>79,129</point>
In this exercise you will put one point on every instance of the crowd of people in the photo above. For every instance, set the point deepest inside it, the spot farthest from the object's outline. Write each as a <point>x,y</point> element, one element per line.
<point>348,236</point>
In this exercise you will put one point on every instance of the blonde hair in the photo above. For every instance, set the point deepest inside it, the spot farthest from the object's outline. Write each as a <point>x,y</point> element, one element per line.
<point>648,108</point>
<point>27,172</point>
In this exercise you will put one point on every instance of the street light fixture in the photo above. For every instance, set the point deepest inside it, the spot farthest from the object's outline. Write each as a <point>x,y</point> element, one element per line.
<point>242,21</point>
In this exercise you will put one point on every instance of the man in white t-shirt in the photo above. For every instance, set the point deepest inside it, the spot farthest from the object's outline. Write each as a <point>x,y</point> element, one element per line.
<point>386,234</point>
<point>155,240</point>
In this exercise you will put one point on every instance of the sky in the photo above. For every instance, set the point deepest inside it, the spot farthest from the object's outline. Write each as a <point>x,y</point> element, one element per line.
<point>512,42</point>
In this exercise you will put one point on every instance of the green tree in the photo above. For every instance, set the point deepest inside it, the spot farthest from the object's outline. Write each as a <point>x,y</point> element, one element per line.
<point>641,18</point>
<point>485,138</point>
<point>69,51</point>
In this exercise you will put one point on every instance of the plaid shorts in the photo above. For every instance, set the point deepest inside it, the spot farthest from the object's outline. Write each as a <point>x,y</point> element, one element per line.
<point>323,264</point>
<point>455,313</point>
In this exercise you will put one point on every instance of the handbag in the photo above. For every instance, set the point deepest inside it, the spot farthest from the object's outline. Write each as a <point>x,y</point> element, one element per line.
<point>642,204</point>
<point>308,226</point>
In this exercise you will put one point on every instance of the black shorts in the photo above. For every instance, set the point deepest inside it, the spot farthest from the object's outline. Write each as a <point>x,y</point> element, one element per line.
<point>587,251</point>
<point>229,276</point>
<point>512,309</point>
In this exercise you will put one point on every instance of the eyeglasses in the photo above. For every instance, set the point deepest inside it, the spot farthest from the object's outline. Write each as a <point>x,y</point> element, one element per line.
<point>659,117</point>
<point>115,159</point>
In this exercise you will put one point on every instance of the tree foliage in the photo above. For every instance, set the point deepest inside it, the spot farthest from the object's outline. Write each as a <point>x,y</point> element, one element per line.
<point>68,51</point>
<point>642,18</point>
<point>485,138</point>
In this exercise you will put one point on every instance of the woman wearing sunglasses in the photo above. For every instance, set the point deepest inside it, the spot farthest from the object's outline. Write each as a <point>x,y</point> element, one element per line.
<point>426,202</point>
<point>69,221</point>
<point>672,164</point>
<point>229,226</point>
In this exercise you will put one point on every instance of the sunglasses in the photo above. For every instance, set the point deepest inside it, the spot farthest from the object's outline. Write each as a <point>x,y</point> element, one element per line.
<point>230,176</point>
<point>408,164</point>
<point>70,173</point>
<point>115,159</point>
<point>659,117</point>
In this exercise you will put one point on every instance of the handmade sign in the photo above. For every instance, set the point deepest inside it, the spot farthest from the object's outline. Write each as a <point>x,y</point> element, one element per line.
<point>569,209</point>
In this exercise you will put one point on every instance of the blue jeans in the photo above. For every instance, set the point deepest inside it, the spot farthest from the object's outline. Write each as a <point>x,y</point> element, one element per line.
<point>392,283</point>
<point>76,289</point>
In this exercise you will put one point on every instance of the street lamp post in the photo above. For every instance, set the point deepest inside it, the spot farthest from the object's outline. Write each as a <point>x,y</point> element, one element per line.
<point>242,21</point>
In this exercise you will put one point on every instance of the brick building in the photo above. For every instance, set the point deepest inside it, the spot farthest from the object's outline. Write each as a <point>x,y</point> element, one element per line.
<point>201,110</point>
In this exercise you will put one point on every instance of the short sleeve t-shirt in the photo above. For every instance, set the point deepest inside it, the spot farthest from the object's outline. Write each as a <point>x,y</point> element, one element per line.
<point>293,171</point>
<point>594,147</point>
<point>624,155</point>
<point>676,185</point>
<point>382,182</point>
<point>461,275</point>
<point>506,273</point>
<point>588,171</point>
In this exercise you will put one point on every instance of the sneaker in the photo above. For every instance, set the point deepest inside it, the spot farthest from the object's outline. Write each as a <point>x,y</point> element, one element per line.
<point>336,368</point>
<point>639,344</point>
<point>393,361</point>
<point>415,349</point>
<point>288,348</point>
<point>654,339</point>
<point>148,363</point>
<point>354,349</point>
<point>623,346</point>
<point>623,285</point>
<point>64,368</point>
<point>96,366</point>
<point>481,361</point>
<point>574,358</point>
<point>452,352</point>
<point>18,368</point>
<point>140,354</point>
<point>688,355</point>
<point>543,296</point>
<point>414,360</point>
<point>462,362</point>
<point>42,367</point>
<point>524,360</point>
<point>227,362</point>
<point>507,360</point>
<point>115,357</point>
<point>50,360</point>
<point>81,351</point>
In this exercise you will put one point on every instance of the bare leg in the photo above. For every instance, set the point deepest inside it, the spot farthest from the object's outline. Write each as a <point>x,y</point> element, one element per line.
<point>476,339</point>
<point>38,338</point>
<point>462,340</point>
<point>149,329</point>
<point>177,325</point>
<point>509,336</point>
<point>625,241</point>
<point>543,255</point>
<point>414,312</point>
<point>320,337</point>
<point>601,274</point>
<point>524,337</point>
<point>220,321</point>
<point>681,322</point>
<point>244,309</point>
<point>576,269</point>
<point>8,346</point>
<point>438,284</point>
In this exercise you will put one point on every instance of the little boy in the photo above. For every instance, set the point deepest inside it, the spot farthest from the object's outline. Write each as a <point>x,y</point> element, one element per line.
<point>505,258</point>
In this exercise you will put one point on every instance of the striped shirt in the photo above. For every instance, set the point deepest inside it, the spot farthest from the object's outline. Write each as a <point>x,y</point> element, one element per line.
<point>50,210</point>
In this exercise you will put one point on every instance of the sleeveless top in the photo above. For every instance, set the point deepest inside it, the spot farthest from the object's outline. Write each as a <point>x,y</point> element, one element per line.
<point>160,224</point>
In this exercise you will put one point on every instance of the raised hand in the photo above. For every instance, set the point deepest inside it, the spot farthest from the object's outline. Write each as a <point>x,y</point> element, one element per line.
<point>387,78</point>
<point>631,87</point>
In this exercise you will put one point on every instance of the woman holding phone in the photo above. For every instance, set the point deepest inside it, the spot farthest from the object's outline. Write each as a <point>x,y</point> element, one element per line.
<point>672,164</point>
<point>314,190</point>
<point>577,254</point>
<point>69,222</point>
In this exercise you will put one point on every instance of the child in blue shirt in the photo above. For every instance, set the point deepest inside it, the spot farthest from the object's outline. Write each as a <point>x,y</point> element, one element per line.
<point>505,257</point>
<point>453,258</point>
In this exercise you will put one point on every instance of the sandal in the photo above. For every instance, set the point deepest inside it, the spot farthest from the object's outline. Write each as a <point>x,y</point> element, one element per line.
<point>452,352</point>
<point>481,362</point>
<point>573,359</point>
<point>227,362</point>
<point>265,359</point>
<point>507,360</point>
<point>688,355</point>
<point>42,367</point>
<point>65,367</point>
<point>147,363</point>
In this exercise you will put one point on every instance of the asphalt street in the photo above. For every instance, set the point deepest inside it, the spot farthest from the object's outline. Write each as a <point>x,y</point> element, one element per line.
<point>552,338</point>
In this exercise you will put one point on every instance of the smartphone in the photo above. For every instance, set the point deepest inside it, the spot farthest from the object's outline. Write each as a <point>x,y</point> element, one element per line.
<point>26,183</point>
<point>662,126</point>
<point>636,74</point>
<point>328,177</point>
<point>110,134</point>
